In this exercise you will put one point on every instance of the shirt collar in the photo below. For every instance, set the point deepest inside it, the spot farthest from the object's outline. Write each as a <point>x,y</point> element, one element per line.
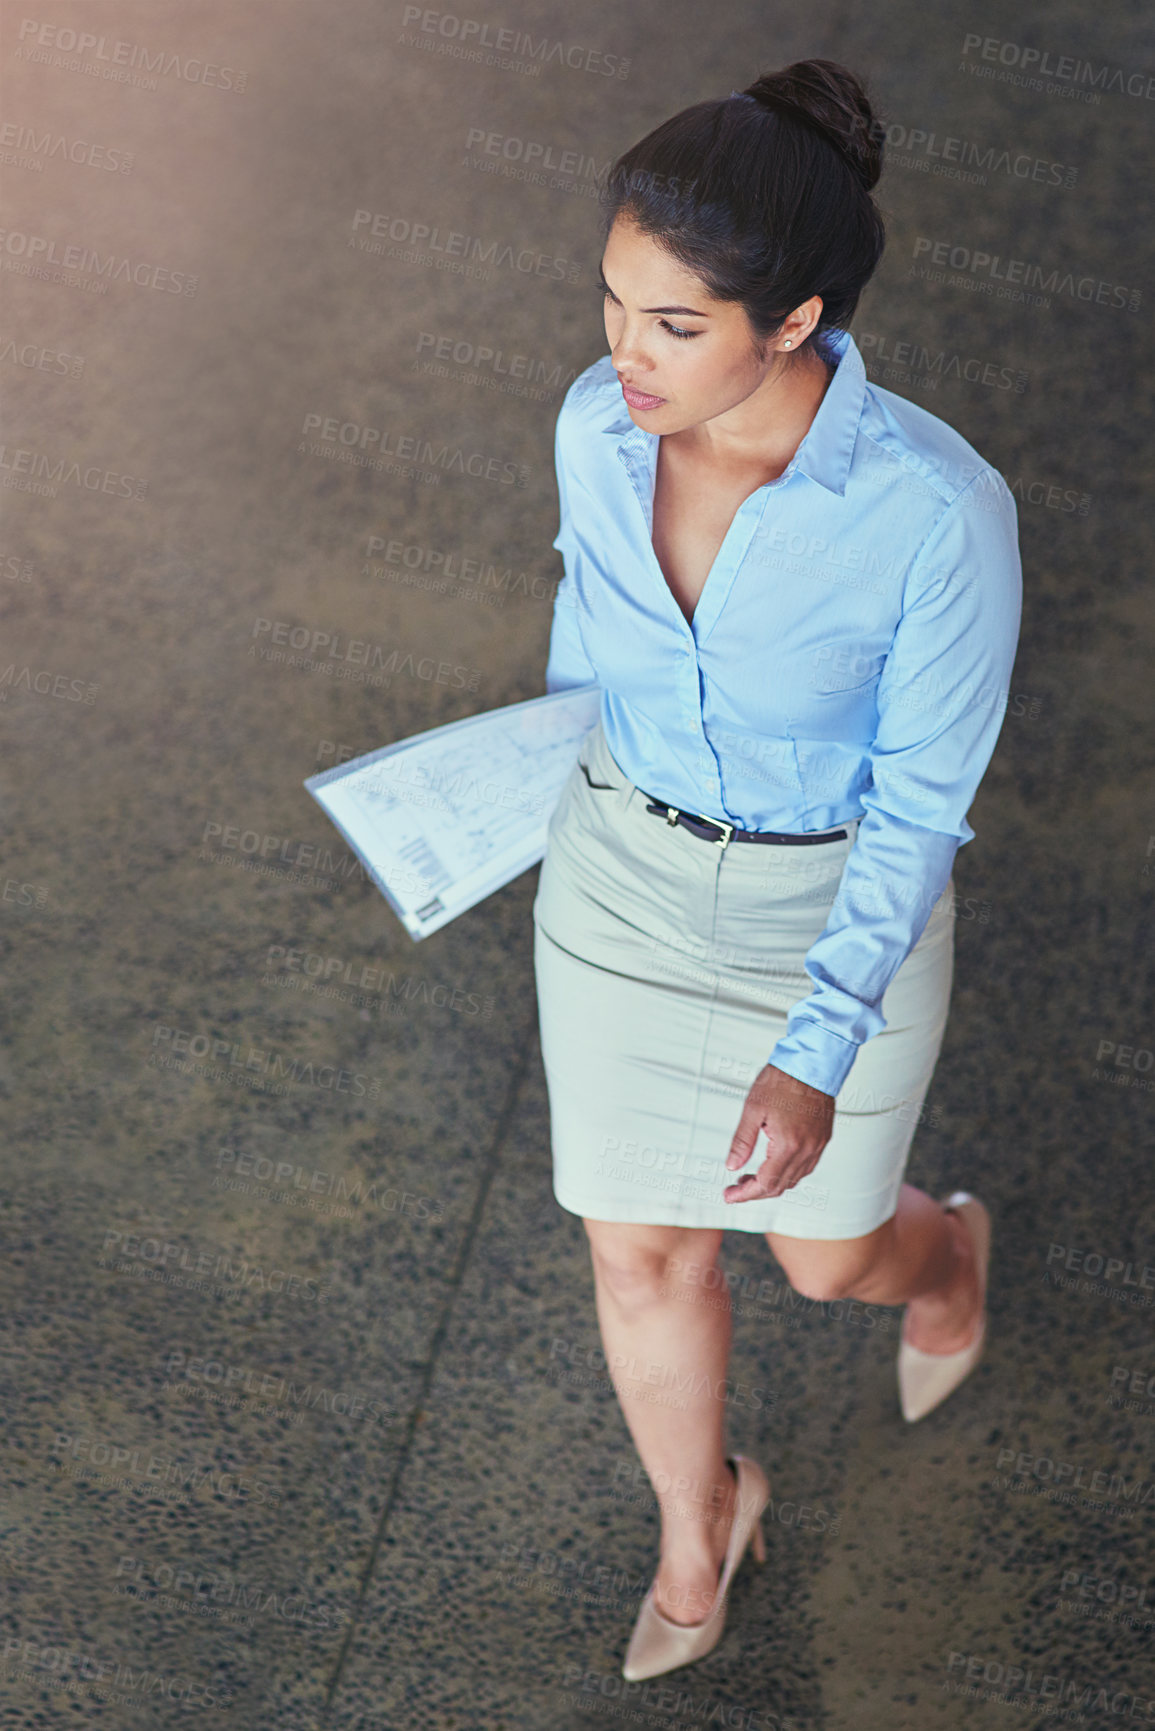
<point>828,446</point>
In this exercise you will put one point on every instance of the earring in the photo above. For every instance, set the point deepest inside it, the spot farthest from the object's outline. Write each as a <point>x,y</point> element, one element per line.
<point>786,344</point>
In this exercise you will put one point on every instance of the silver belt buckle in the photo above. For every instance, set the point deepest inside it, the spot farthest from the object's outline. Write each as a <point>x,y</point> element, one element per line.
<point>722,841</point>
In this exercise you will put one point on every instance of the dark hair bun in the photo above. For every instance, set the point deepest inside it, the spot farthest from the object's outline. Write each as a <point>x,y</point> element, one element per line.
<point>829,98</point>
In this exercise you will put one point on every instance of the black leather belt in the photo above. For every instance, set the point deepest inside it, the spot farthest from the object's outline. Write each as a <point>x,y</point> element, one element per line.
<point>724,833</point>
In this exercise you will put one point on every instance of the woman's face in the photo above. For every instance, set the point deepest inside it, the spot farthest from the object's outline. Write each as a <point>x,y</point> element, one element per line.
<point>671,339</point>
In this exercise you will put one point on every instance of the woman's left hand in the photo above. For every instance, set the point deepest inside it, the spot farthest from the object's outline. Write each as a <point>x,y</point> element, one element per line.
<point>798,1121</point>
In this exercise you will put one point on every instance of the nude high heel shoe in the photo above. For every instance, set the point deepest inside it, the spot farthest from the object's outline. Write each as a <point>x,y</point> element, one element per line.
<point>926,1378</point>
<point>657,1645</point>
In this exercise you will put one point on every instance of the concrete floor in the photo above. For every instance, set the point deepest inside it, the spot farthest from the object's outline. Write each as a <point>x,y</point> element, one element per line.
<point>290,1439</point>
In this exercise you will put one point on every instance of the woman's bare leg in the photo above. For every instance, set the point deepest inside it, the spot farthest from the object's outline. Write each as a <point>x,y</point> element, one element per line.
<point>661,1327</point>
<point>921,1257</point>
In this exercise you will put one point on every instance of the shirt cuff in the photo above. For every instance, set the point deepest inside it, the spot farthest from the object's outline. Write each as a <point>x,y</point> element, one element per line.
<point>812,1054</point>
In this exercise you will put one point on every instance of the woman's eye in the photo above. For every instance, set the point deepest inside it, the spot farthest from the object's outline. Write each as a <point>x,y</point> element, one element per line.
<point>674,330</point>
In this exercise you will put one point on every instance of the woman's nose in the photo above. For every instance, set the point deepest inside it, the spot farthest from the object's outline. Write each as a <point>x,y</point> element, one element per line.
<point>628,356</point>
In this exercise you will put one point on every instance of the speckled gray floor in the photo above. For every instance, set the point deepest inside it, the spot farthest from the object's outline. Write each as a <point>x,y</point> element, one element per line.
<point>290,1439</point>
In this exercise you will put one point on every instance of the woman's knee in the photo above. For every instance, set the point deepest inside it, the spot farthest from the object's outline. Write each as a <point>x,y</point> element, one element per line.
<point>637,1265</point>
<point>825,1269</point>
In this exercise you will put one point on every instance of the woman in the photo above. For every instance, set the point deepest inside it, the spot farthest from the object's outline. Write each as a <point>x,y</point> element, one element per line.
<point>800,595</point>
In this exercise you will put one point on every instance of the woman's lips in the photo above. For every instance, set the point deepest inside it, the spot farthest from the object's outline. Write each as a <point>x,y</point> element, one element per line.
<point>639,399</point>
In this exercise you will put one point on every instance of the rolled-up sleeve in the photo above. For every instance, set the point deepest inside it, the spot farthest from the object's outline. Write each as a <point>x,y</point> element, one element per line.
<point>568,664</point>
<point>941,699</point>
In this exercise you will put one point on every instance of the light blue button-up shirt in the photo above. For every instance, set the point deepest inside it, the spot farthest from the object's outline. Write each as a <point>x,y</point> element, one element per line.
<point>849,657</point>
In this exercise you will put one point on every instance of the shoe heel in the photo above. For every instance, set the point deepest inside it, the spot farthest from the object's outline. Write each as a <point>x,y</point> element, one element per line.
<point>758,1543</point>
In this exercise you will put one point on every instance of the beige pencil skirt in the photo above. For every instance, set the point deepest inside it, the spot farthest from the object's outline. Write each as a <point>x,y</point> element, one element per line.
<point>666,967</point>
